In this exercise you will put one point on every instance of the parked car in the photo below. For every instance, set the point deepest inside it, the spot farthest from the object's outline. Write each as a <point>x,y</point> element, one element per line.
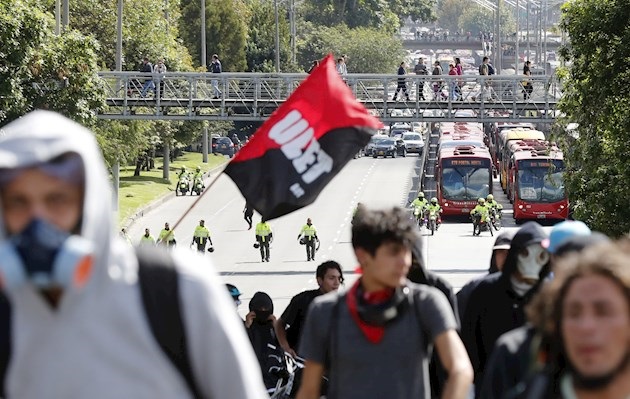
<point>389,147</point>
<point>413,142</point>
<point>223,146</point>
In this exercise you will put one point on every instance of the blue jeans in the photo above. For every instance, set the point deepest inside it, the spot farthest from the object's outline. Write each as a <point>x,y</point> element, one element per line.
<point>147,85</point>
<point>215,87</point>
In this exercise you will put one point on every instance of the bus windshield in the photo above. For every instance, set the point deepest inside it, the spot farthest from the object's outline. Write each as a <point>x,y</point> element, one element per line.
<point>541,181</point>
<point>461,183</point>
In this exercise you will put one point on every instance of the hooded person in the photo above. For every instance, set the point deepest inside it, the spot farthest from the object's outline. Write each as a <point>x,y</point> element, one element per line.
<point>259,323</point>
<point>497,260</point>
<point>419,274</point>
<point>79,328</point>
<point>497,304</point>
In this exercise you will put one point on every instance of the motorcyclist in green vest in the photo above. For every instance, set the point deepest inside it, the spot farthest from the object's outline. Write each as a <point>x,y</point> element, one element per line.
<point>310,238</point>
<point>147,238</point>
<point>434,206</point>
<point>167,236</point>
<point>181,175</point>
<point>481,210</point>
<point>419,205</point>
<point>264,237</point>
<point>198,177</point>
<point>201,236</point>
<point>492,204</point>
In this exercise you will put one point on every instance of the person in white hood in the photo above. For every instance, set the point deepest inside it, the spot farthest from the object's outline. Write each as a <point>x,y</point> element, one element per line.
<point>78,325</point>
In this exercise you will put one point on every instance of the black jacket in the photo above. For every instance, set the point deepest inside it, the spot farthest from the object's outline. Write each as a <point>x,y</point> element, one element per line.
<point>494,307</point>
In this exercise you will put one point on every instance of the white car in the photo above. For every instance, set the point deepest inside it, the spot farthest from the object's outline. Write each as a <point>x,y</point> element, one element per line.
<point>413,142</point>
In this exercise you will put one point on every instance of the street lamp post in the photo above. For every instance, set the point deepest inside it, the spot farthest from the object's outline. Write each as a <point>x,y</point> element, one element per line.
<point>203,33</point>
<point>57,17</point>
<point>518,34</point>
<point>65,17</point>
<point>116,165</point>
<point>275,5</point>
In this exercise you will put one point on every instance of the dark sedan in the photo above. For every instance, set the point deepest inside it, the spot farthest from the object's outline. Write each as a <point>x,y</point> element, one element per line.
<point>389,147</point>
<point>223,146</point>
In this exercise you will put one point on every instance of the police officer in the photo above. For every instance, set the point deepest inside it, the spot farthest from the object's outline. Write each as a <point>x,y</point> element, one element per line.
<point>310,238</point>
<point>434,206</point>
<point>419,205</point>
<point>167,236</point>
<point>481,209</point>
<point>491,203</point>
<point>147,238</point>
<point>201,236</point>
<point>264,237</point>
<point>180,175</point>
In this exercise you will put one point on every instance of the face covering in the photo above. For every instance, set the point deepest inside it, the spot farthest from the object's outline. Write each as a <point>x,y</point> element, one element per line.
<point>531,260</point>
<point>262,316</point>
<point>520,287</point>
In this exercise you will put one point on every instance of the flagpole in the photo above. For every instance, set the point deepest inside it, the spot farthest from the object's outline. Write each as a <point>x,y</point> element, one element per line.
<point>199,198</point>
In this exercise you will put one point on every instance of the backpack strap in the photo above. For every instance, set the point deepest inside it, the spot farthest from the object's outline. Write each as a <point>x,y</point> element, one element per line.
<point>159,288</point>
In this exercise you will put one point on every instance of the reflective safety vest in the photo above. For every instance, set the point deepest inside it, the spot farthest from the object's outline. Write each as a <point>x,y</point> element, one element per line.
<point>147,240</point>
<point>494,204</point>
<point>435,208</point>
<point>166,235</point>
<point>482,210</point>
<point>263,230</point>
<point>309,232</point>
<point>201,232</point>
<point>420,203</point>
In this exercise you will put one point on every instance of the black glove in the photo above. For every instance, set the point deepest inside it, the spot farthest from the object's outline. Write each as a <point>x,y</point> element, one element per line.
<point>299,237</point>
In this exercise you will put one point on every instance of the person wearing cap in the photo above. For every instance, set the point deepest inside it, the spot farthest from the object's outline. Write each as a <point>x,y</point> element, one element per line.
<point>79,325</point>
<point>497,260</point>
<point>234,293</point>
<point>309,232</point>
<point>167,236</point>
<point>562,232</point>
<point>201,236</point>
<point>497,304</point>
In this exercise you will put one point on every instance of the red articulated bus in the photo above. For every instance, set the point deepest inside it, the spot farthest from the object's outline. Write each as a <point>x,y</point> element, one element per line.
<point>537,185</point>
<point>463,174</point>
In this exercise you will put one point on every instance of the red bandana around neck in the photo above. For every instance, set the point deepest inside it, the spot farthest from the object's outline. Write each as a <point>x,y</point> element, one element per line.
<point>374,334</point>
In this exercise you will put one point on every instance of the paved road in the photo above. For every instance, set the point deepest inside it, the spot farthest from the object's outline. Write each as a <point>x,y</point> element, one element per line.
<point>453,251</point>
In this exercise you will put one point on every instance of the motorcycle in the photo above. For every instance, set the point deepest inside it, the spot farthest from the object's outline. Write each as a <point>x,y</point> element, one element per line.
<point>495,218</point>
<point>479,226</point>
<point>198,187</point>
<point>417,213</point>
<point>431,220</point>
<point>183,187</point>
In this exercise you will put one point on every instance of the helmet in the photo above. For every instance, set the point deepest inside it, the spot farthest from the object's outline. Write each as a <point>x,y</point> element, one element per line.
<point>481,201</point>
<point>256,245</point>
<point>490,197</point>
<point>183,168</point>
<point>302,241</point>
<point>210,249</point>
<point>233,291</point>
<point>198,169</point>
<point>434,200</point>
<point>420,194</point>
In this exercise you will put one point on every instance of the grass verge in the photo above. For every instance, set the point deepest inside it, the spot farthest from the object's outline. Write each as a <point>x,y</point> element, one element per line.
<point>138,191</point>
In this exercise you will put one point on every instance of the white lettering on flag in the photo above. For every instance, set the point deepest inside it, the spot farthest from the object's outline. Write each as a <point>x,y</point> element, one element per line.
<point>298,144</point>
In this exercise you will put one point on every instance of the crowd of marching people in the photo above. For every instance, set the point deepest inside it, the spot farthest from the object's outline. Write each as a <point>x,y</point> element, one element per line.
<point>82,314</point>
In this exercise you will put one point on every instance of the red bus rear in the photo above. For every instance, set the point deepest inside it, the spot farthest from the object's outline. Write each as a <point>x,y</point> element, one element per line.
<point>538,186</point>
<point>463,175</point>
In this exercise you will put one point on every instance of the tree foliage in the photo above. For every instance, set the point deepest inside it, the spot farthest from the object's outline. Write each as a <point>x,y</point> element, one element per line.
<point>368,50</point>
<point>261,38</point>
<point>225,31</point>
<point>475,19</point>
<point>596,98</point>
<point>40,70</point>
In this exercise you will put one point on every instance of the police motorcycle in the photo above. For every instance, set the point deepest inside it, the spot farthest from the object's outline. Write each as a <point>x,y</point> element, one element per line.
<point>418,214</point>
<point>198,186</point>
<point>479,226</point>
<point>431,217</point>
<point>495,218</point>
<point>183,186</point>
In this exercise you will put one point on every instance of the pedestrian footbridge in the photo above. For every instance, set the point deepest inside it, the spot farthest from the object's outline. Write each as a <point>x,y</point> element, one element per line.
<point>254,96</point>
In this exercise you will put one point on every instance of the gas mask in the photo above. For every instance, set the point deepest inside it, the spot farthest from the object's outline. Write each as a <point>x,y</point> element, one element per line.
<point>46,257</point>
<point>531,260</point>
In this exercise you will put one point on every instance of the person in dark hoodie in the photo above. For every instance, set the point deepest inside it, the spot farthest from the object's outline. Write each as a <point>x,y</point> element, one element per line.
<point>497,304</point>
<point>419,274</point>
<point>517,352</point>
<point>259,324</point>
<point>499,255</point>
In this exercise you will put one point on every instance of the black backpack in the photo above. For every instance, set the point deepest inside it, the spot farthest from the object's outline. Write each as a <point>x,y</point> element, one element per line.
<point>159,287</point>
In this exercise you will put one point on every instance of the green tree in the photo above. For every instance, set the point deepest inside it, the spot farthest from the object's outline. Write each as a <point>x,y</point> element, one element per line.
<point>225,31</point>
<point>477,19</point>
<point>40,70</point>
<point>449,13</point>
<point>261,38</point>
<point>596,98</point>
<point>368,50</point>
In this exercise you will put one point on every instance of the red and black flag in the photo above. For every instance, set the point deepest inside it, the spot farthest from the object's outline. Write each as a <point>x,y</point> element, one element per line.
<point>302,145</point>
